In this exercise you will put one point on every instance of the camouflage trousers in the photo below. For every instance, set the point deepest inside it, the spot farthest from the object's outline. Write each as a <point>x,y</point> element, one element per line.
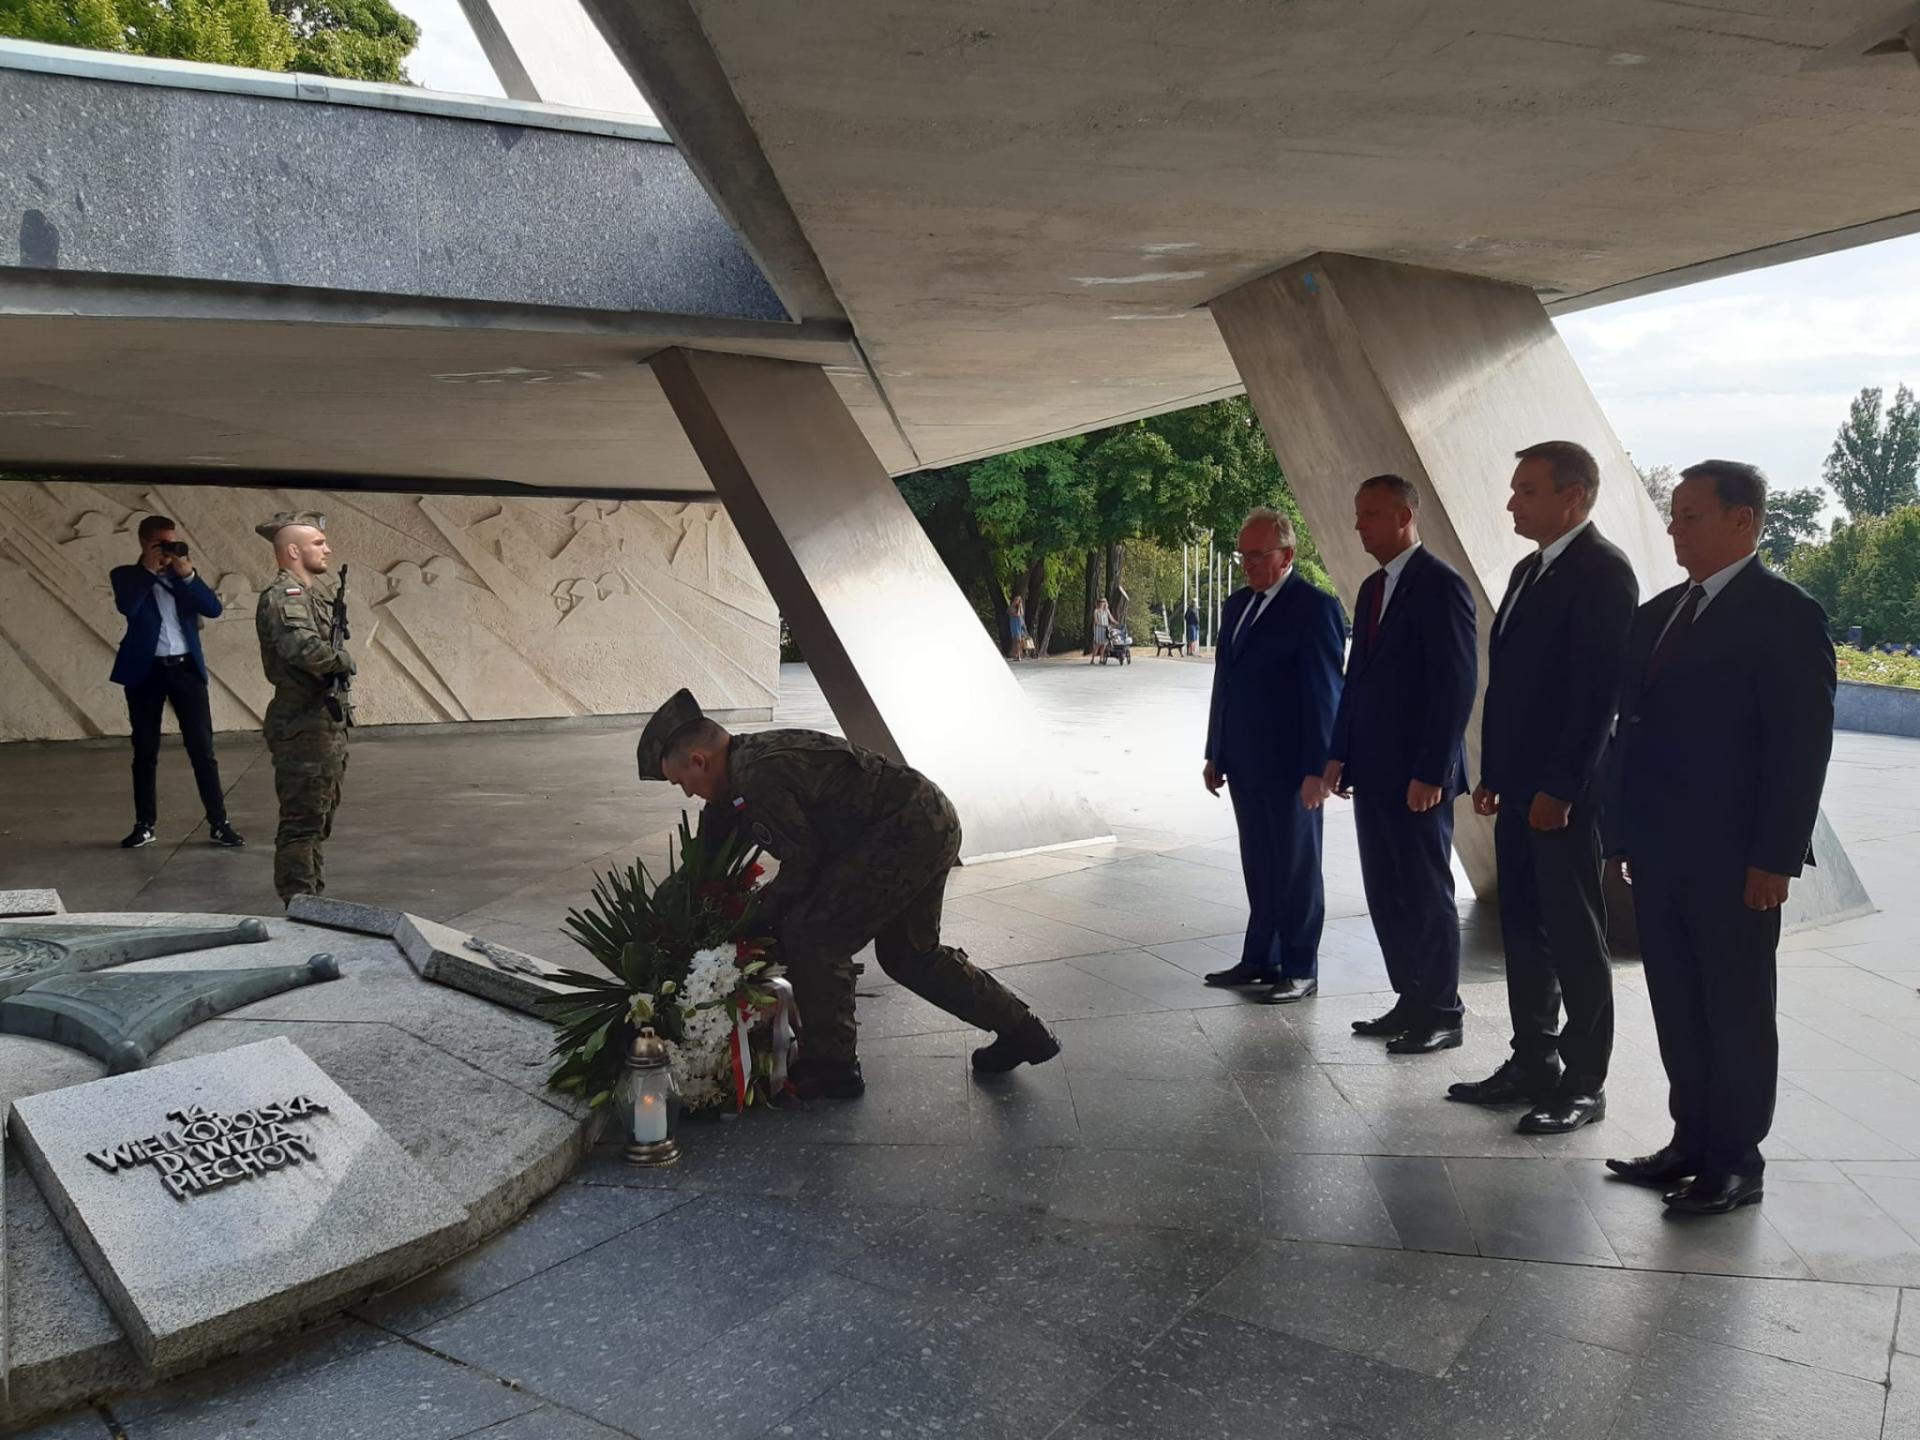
<point>308,767</point>
<point>889,891</point>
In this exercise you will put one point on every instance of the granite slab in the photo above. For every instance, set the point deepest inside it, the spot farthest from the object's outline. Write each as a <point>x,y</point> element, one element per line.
<point>217,1199</point>
<point>31,902</point>
<point>344,915</point>
<point>493,972</point>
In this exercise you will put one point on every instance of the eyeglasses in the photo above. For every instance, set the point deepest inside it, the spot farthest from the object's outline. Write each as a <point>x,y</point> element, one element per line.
<point>1240,557</point>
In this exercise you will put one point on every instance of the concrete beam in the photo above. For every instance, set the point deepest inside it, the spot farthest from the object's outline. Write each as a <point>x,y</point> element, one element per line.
<point>898,652</point>
<point>1359,367</point>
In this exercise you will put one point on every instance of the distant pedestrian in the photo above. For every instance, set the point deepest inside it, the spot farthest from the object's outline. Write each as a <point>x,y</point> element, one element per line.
<point>160,664</point>
<point>1102,631</point>
<point>1017,628</point>
<point>1193,629</point>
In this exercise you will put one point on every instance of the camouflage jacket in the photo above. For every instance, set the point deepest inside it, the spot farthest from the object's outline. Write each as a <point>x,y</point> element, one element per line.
<point>293,620</point>
<point>806,798</point>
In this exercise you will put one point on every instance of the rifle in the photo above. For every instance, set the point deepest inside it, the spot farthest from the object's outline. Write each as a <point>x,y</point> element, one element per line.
<point>339,702</point>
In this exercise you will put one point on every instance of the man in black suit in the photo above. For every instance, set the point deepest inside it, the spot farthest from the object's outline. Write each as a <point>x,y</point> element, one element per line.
<point>1276,681</point>
<point>1399,746</point>
<point>1726,723</point>
<point>1552,689</point>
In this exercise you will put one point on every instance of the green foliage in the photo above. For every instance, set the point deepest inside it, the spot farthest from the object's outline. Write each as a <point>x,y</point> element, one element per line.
<point>1874,466</point>
<point>1869,669</point>
<point>349,39</point>
<point>1793,519</point>
<point>1868,575</point>
<point>1027,521</point>
<point>1658,483</point>
<point>645,934</point>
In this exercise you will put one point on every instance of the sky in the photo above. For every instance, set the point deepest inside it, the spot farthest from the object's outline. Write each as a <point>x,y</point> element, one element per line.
<point>1758,367</point>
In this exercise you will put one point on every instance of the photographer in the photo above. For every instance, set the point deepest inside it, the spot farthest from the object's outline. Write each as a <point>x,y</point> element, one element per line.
<point>160,663</point>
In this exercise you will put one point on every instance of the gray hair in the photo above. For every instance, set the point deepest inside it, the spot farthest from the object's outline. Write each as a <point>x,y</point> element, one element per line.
<point>1267,515</point>
<point>1572,464</point>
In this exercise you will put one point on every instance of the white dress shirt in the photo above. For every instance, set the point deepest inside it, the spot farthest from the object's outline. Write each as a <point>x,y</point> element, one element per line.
<point>1393,568</point>
<point>173,639</point>
<point>1257,606</point>
<point>1548,554</point>
<point>1713,585</point>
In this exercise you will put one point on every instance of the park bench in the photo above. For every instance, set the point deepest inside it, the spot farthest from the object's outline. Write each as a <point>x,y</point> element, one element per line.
<point>1164,644</point>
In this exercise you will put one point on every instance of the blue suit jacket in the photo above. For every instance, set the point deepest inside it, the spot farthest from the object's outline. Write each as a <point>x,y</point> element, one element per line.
<point>1403,715</point>
<point>1275,690</point>
<point>133,587</point>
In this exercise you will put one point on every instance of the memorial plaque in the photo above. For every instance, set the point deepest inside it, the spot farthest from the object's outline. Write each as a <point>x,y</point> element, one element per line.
<point>493,972</point>
<point>215,1198</point>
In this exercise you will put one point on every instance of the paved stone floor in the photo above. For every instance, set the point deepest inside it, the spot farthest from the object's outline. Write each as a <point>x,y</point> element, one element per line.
<point>1208,1219</point>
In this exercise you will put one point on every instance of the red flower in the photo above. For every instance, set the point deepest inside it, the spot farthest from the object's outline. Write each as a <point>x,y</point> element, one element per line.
<point>709,890</point>
<point>750,876</point>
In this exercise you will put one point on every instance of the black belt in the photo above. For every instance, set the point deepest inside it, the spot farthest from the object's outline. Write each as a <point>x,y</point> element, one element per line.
<point>174,659</point>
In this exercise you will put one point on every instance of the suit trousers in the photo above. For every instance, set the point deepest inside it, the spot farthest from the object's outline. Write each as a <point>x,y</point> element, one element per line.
<point>1406,867</point>
<point>1280,847</point>
<point>181,686</point>
<point>1554,921</point>
<point>1710,967</point>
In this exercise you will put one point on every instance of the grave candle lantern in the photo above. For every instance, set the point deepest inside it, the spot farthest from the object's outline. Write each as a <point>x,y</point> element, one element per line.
<point>655,1102</point>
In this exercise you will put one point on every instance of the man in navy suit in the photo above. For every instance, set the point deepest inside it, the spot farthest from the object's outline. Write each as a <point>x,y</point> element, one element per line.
<point>1399,748</point>
<point>1552,689</point>
<point>160,664</point>
<point>1726,725</point>
<point>1276,681</point>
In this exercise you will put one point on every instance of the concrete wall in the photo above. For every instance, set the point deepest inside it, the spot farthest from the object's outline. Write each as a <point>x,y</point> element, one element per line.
<point>1877,709</point>
<point>464,609</point>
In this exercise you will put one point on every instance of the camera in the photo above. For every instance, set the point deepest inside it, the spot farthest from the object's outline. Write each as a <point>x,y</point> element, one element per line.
<point>174,548</point>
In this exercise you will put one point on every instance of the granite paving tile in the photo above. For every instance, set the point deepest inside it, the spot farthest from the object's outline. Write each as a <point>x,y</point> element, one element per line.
<point>1614,1309</point>
<point>930,1177</point>
<point>1161,1046</point>
<point>1404,1108</point>
<point>1400,1307</point>
<point>354,1399</point>
<point>1184,1115</point>
<point>1845,1328</point>
<point>1646,1237</point>
<point>1254,1039</point>
<point>1691,1387</point>
<point>1419,1198</point>
<point>275,1365</point>
<point>548,1423</point>
<point>1154,979</point>
<point>1842,1234</point>
<point>1512,1380</point>
<point>1060,990</point>
<point>572,1331</point>
<point>87,1424</point>
<point>1303,1112</point>
<point>1902,1420</point>
<point>1326,1198</point>
<point>1528,1210</point>
<point>910,1100</point>
<point>1216,1191</point>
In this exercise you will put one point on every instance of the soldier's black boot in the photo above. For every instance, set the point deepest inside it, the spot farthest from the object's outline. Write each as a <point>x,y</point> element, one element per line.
<point>1028,1043</point>
<point>827,1079</point>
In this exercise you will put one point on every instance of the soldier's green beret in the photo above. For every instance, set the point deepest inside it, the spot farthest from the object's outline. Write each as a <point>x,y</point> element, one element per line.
<point>669,720</point>
<point>285,518</point>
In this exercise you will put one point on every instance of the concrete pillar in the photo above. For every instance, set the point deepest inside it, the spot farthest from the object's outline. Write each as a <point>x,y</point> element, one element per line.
<point>905,663</point>
<point>1361,367</point>
<point>550,50</point>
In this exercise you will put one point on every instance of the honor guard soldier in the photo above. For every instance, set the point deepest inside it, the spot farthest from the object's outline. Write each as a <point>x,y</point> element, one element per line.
<point>308,718</point>
<point>864,846</point>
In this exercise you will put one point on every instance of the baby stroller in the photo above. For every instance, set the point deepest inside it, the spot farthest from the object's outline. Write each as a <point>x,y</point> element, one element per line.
<point>1119,645</point>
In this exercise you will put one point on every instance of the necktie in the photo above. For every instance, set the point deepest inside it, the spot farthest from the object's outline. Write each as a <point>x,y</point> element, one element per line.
<point>1375,606</point>
<point>1527,577</point>
<point>1676,630</point>
<point>1253,614</point>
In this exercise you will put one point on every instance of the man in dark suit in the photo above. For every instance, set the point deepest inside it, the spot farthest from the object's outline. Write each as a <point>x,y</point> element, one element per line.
<point>160,664</point>
<point>1726,723</point>
<point>1552,689</point>
<point>1399,747</point>
<point>1276,681</point>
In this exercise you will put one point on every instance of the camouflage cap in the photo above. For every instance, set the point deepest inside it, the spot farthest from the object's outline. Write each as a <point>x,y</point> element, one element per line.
<point>273,527</point>
<point>669,720</point>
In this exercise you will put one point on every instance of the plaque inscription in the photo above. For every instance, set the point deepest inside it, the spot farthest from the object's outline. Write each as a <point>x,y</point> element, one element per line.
<point>210,1149</point>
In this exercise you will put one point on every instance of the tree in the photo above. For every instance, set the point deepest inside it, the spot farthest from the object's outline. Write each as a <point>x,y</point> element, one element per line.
<point>1874,466</point>
<point>1793,519</point>
<point>1867,574</point>
<point>1659,483</point>
<point>348,39</point>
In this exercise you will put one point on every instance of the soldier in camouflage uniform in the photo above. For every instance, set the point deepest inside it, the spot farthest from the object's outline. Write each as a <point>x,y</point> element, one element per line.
<point>864,846</point>
<point>294,620</point>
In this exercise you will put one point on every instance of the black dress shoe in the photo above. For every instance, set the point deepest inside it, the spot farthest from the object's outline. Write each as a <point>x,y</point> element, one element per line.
<point>1240,975</point>
<point>1665,1166</point>
<point>1291,992</point>
<point>1395,1022</point>
<point>1715,1194</point>
<point>1428,1040</point>
<point>1028,1043</point>
<point>1511,1084</point>
<point>1563,1114</point>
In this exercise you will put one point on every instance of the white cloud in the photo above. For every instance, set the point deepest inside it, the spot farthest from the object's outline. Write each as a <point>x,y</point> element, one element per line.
<point>448,58</point>
<point>1758,367</point>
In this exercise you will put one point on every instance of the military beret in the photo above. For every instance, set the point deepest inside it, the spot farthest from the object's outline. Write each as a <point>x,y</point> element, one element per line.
<point>669,720</point>
<point>285,518</point>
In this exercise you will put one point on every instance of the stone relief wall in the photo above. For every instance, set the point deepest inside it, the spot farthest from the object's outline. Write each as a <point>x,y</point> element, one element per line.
<point>464,608</point>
